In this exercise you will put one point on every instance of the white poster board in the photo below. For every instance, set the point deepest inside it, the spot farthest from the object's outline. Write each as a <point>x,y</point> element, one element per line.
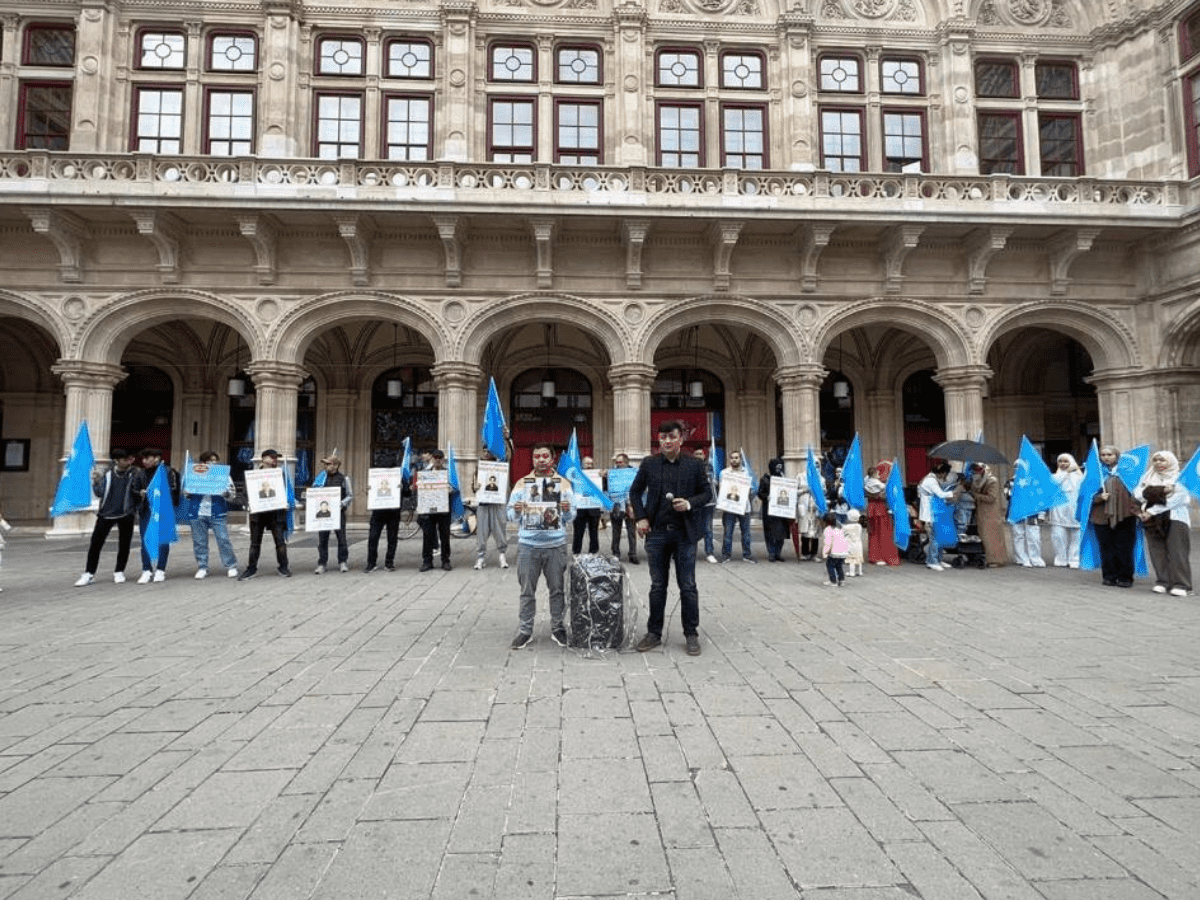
<point>323,509</point>
<point>493,482</point>
<point>433,491</point>
<point>782,502</point>
<point>384,487</point>
<point>734,492</point>
<point>265,490</point>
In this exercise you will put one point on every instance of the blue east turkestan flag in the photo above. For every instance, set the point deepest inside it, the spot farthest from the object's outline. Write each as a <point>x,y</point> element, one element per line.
<point>1132,465</point>
<point>901,527</point>
<point>1189,475</point>
<point>1093,480</point>
<point>749,471</point>
<point>570,467</point>
<point>406,461</point>
<point>456,503</point>
<point>160,529</point>
<point>815,485</point>
<point>944,527</point>
<point>570,456</point>
<point>493,427</point>
<point>852,477</point>
<point>1033,489</point>
<point>290,491</point>
<point>75,487</point>
<point>713,472</point>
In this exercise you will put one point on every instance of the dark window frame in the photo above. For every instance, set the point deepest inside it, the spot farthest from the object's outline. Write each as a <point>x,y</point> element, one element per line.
<point>135,112</point>
<point>1189,34</point>
<point>407,39</point>
<point>861,90</point>
<point>139,50</point>
<point>492,147</point>
<point>766,133</point>
<point>1065,63</point>
<point>493,46</point>
<point>1076,119</point>
<point>921,113</point>
<point>338,36</point>
<point>206,99</point>
<point>697,105</point>
<point>734,51</point>
<point>33,28</point>
<point>1008,62</point>
<point>858,111</point>
<point>1190,83</point>
<point>22,135</point>
<point>560,151</point>
<point>922,88</point>
<point>231,33</point>
<point>599,51</point>
<point>1015,116</point>
<point>316,121</point>
<point>385,100</point>
<point>680,49</point>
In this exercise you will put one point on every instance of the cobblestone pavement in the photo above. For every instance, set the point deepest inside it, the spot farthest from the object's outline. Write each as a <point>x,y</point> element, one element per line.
<point>1006,733</point>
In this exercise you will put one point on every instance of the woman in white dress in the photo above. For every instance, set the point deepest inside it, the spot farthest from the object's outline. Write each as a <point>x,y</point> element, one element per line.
<point>1065,533</point>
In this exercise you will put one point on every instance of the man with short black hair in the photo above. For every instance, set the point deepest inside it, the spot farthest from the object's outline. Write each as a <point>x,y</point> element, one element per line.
<point>207,512</point>
<point>152,458</point>
<point>276,521</point>
<point>118,503</point>
<point>435,526</point>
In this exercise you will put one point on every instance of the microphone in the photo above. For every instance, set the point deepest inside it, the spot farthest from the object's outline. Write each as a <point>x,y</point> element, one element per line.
<point>669,496</point>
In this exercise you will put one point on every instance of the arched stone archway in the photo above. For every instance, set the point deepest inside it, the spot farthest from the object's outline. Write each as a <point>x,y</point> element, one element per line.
<point>1111,344</point>
<point>766,320</point>
<point>478,330</point>
<point>292,333</point>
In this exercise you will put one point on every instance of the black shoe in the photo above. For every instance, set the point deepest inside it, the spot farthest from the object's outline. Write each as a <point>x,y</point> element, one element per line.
<point>370,569</point>
<point>649,642</point>
<point>559,636</point>
<point>426,567</point>
<point>633,559</point>
<point>285,572</point>
<point>390,567</point>
<point>520,641</point>
<point>693,644</point>
<point>1109,582</point>
<point>1125,584</point>
<point>247,574</point>
<point>446,567</point>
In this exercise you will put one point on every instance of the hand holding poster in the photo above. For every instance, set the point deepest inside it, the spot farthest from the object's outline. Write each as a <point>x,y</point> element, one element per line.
<point>383,488</point>
<point>265,490</point>
<point>782,502</point>
<point>493,482</point>
<point>206,478</point>
<point>584,499</point>
<point>619,482</point>
<point>323,509</point>
<point>733,492</point>
<point>433,491</point>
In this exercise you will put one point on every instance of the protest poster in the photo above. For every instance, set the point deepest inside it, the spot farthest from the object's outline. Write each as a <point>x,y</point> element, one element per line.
<point>493,482</point>
<point>782,502</point>
<point>433,491</point>
<point>205,478</point>
<point>619,481</point>
<point>265,490</point>
<point>384,487</point>
<point>585,499</point>
<point>323,509</point>
<point>541,511</point>
<point>733,493</point>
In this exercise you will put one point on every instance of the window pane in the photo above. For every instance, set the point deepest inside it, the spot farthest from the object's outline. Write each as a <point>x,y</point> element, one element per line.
<point>1190,36</point>
<point>742,70</point>
<point>46,117</point>
<point>408,128</point>
<point>999,144</point>
<point>679,68</point>
<point>578,133</point>
<point>512,63</point>
<point>579,65</point>
<point>162,50</point>
<point>841,73</point>
<point>233,53</point>
<point>995,79</point>
<point>50,47</point>
<point>339,126</point>
<point>1193,85</point>
<point>159,120</point>
<point>1058,140</point>
<point>340,57</point>
<point>230,123</point>
<point>1056,81</point>
<point>512,130</point>
<point>900,76</point>
<point>410,59</point>
<point>742,135</point>
<point>841,140</point>
<point>679,136</point>
<point>902,141</point>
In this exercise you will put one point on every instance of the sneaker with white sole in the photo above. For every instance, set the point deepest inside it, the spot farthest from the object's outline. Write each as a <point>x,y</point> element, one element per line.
<point>711,558</point>
<point>1159,589</point>
<point>503,563</point>
<point>478,564</point>
<point>160,575</point>
<point>343,567</point>
<point>118,577</point>
<point>319,570</point>
<point>84,580</point>
<point>1178,592</point>
<point>232,573</point>
<point>559,636</point>
<point>201,573</point>
<point>145,577</point>
<point>521,641</point>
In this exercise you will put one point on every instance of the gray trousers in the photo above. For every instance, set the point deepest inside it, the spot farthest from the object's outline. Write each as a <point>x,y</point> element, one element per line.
<point>1170,557</point>
<point>491,520</point>
<point>533,562</point>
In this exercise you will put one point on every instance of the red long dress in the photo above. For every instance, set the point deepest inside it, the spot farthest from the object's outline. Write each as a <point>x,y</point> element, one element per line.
<point>881,544</point>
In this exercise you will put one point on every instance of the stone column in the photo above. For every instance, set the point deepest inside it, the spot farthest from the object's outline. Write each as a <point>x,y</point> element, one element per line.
<point>963,387</point>
<point>458,82</point>
<point>883,437</point>
<point>796,77</point>
<point>800,387</point>
<point>200,425</point>
<point>93,73</point>
<point>88,387</point>
<point>631,384</point>
<point>754,428</point>
<point>1157,408</point>
<point>458,388</point>
<point>952,94</point>
<point>277,388</point>
<point>279,98</point>
<point>629,63</point>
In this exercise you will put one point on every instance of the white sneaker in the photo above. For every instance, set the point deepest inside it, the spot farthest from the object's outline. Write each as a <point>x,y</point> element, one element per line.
<point>503,563</point>
<point>478,564</point>
<point>118,577</point>
<point>1159,589</point>
<point>201,573</point>
<point>232,573</point>
<point>343,567</point>
<point>319,570</point>
<point>84,580</point>
<point>1178,592</point>
<point>711,558</point>
<point>160,575</point>
<point>145,577</point>
<point>937,567</point>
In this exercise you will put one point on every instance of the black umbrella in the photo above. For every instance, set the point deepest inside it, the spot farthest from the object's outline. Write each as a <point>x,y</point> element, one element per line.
<point>970,451</point>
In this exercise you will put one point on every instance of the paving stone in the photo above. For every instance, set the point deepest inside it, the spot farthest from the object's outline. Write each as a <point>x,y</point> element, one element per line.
<point>931,877</point>
<point>272,831</point>
<point>164,866</point>
<point>296,873</point>
<point>783,782</point>
<point>458,706</point>
<point>598,738</point>
<point>610,853</point>
<point>882,818</point>
<point>467,876</point>
<point>57,840</point>
<point>663,759</point>
<point>1149,866</point>
<point>699,874</point>
<point>954,776</point>
<point>725,802</point>
<point>36,805</point>
<point>751,736</point>
<point>338,812</point>
<point>603,786</point>
<point>230,882</point>
<point>828,848</point>
<point>533,808</point>
<point>62,878</point>
<point>226,800</point>
<point>680,816</point>
<point>527,867</point>
<point>989,873</point>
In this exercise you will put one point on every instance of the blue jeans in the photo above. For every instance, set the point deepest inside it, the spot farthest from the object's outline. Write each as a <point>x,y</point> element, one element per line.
<point>728,522</point>
<point>220,530</point>
<point>661,548</point>
<point>933,550</point>
<point>164,550</point>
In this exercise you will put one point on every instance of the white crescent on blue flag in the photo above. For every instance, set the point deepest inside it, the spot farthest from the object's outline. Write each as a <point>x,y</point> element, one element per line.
<point>1189,475</point>
<point>581,484</point>
<point>161,527</point>
<point>1132,465</point>
<point>570,457</point>
<point>816,487</point>
<point>901,527</point>
<point>1093,480</point>
<point>1033,489</point>
<point>492,431</point>
<point>75,487</point>
<point>853,477</point>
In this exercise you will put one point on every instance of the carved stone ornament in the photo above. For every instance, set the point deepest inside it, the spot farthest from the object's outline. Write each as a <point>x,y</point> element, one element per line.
<point>898,10</point>
<point>74,308</point>
<point>873,9</point>
<point>1025,13</point>
<point>267,310</point>
<point>711,7</point>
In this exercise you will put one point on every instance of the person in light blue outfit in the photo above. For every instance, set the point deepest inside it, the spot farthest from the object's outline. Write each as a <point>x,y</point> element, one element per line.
<point>208,512</point>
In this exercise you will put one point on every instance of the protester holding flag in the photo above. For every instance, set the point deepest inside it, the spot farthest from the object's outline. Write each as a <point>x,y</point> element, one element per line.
<point>989,518</point>
<point>710,507</point>
<point>1065,533</point>
<point>276,520</point>
<point>881,546</point>
<point>118,503</point>
<point>622,513</point>
<point>810,507</point>
<point>208,512</point>
<point>1167,522</point>
<point>1114,515</point>
<point>931,492</point>
<point>152,458</point>
<point>587,520</point>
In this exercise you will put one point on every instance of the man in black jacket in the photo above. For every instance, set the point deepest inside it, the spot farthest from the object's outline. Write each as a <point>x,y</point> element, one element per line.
<point>668,496</point>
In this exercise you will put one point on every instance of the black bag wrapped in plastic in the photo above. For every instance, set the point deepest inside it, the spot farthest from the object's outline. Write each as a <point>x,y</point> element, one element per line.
<point>601,615</point>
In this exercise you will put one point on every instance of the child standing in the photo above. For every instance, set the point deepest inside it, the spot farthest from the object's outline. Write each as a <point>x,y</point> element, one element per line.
<point>854,541</point>
<point>834,549</point>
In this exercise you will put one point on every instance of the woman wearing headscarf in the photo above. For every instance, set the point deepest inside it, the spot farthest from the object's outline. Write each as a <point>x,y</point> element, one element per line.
<point>989,519</point>
<point>1167,522</point>
<point>806,529</point>
<point>881,543</point>
<point>775,528</point>
<point>1114,517</point>
<point>1065,533</point>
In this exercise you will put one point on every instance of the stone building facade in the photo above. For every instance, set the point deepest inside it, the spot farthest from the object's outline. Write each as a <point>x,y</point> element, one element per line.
<point>787,223</point>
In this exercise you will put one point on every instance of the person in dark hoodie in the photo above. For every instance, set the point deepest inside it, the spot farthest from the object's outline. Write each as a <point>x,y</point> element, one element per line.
<point>775,528</point>
<point>152,458</point>
<point>118,503</point>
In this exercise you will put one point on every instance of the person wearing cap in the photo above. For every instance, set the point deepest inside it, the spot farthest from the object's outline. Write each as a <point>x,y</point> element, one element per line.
<point>435,526</point>
<point>118,503</point>
<point>152,458</point>
<point>334,477</point>
<point>276,521</point>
